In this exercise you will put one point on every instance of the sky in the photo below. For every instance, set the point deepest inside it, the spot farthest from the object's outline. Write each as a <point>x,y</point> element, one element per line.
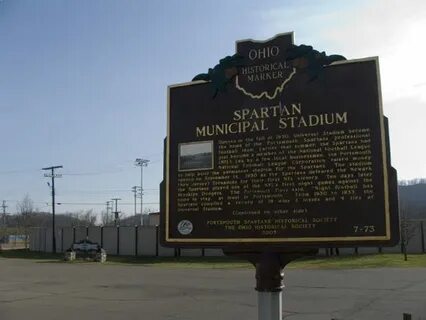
<point>83,83</point>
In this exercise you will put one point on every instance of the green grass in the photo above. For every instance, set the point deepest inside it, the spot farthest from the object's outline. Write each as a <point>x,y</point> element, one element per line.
<point>393,260</point>
<point>172,262</point>
<point>341,262</point>
<point>182,262</point>
<point>26,254</point>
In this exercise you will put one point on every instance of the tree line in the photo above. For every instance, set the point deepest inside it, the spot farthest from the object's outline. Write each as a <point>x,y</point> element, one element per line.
<point>28,216</point>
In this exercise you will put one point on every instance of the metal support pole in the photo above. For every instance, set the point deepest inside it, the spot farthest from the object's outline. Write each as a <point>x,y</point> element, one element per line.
<point>53,175</point>
<point>116,212</point>
<point>269,285</point>
<point>53,213</point>
<point>4,206</point>
<point>142,194</point>
<point>270,305</point>
<point>269,277</point>
<point>135,202</point>
<point>142,163</point>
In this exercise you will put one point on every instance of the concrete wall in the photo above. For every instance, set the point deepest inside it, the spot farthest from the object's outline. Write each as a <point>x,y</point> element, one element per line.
<point>127,241</point>
<point>395,249</point>
<point>165,252</point>
<point>110,240</point>
<point>95,234</point>
<point>145,241</point>
<point>190,252</point>
<point>414,236</point>
<point>37,237</point>
<point>213,253</point>
<point>68,238</point>
<point>154,219</point>
<point>47,241</point>
<point>59,244</point>
<point>80,233</point>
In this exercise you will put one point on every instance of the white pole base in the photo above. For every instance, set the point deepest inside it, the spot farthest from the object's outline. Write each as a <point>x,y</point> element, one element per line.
<point>270,305</point>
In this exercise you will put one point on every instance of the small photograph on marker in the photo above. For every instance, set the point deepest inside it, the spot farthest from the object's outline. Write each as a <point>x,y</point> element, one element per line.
<point>196,156</point>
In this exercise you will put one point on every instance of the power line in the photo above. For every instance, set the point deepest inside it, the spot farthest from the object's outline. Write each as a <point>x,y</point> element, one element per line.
<point>84,203</point>
<point>99,203</point>
<point>106,190</point>
<point>92,173</point>
<point>19,171</point>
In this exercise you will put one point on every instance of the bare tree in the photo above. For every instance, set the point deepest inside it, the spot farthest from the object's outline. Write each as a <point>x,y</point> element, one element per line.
<point>149,210</point>
<point>88,217</point>
<point>25,210</point>
<point>412,182</point>
<point>408,228</point>
<point>107,218</point>
<point>83,217</point>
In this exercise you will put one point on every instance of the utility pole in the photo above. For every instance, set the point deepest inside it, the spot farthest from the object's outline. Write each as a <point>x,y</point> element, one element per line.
<point>53,176</point>
<point>116,212</point>
<point>4,206</point>
<point>139,162</point>
<point>135,192</point>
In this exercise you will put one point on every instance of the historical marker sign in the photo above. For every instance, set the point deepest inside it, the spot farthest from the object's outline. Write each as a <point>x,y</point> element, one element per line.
<point>286,155</point>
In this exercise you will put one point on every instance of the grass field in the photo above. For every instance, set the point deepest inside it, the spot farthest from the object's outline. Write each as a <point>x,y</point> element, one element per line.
<point>340,262</point>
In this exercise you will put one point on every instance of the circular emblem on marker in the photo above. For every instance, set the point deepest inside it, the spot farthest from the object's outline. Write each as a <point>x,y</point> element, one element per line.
<point>185,227</point>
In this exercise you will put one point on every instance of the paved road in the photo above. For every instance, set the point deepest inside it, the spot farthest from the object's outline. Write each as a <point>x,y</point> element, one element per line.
<point>39,290</point>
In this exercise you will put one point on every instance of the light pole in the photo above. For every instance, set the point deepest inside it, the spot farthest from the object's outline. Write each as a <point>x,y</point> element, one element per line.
<point>105,220</point>
<point>139,162</point>
<point>116,212</point>
<point>53,176</point>
<point>4,206</point>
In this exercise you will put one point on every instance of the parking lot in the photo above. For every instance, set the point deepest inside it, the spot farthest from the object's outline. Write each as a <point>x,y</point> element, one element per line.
<point>48,290</point>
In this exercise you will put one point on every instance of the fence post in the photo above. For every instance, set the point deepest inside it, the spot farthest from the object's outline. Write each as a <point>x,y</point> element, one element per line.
<point>102,237</point>
<point>157,237</point>
<point>45,240</point>
<point>62,239</point>
<point>118,240</point>
<point>136,241</point>
<point>39,239</point>
<point>422,235</point>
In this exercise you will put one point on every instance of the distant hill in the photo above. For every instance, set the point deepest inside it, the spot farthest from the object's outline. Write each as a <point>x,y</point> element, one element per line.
<point>413,199</point>
<point>44,219</point>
